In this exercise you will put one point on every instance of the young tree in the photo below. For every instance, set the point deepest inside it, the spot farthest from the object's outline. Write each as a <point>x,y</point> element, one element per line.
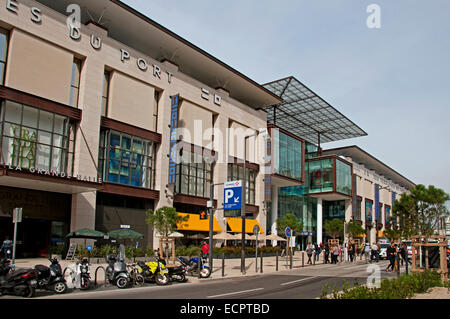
<point>165,220</point>
<point>291,221</point>
<point>420,211</point>
<point>334,228</point>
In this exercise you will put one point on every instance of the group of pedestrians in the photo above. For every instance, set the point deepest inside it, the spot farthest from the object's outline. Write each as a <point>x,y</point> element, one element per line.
<point>370,252</point>
<point>396,254</point>
<point>315,250</point>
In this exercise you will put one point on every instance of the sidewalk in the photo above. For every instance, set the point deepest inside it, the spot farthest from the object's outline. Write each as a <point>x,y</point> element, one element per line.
<point>232,266</point>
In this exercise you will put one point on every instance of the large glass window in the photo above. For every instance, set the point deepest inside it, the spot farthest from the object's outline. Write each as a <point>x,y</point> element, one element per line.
<point>105,94</point>
<point>334,209</point>
<point>343,178</point>
<point>126,159</point>
<point>387,214</point>
<point>292,200</point>
<point>236,172</point>
<point>193,175</point>
<point>356,209</point>
<point>33,138</point>
<point>3,54</point>
<point>287,155</point>
<point>320,176</point>
<point>369,206</point>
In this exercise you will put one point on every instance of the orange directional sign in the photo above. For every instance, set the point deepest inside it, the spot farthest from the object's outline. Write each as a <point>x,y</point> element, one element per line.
<point>203,215</point>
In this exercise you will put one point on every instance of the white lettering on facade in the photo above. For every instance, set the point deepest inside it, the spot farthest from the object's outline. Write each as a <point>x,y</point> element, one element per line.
<point>36,15</point>
<point>156,71</point>
<point>124,55</point>
<point>142,64</point>
<point>96,42</point>
<point>12,5</point>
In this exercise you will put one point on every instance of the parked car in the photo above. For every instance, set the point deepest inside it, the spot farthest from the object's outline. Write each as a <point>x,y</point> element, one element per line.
<point>383,248</point>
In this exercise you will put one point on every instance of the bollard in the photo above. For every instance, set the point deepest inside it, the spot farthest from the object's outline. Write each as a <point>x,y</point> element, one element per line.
<point>397,261</point>
<point>95,275</point>
<point>407,261</point>
<point>261,262</point>
<point>223,264</point>
<point>256,260</point>
<point>303,259</point>
<point>290,259</point>
<point>314,258</point>
<point>276,262</point>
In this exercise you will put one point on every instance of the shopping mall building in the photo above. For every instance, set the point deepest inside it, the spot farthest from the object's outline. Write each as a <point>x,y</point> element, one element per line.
<point>105,118</point>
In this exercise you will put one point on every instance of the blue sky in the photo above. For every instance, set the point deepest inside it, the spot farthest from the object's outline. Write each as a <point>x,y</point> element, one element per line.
<point>394,82</point>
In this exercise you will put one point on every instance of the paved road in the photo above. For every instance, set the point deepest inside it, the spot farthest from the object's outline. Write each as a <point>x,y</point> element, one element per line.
<point>303,283</point>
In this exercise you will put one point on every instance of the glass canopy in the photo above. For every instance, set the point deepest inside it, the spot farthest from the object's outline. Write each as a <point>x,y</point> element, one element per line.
<point>307,115</point>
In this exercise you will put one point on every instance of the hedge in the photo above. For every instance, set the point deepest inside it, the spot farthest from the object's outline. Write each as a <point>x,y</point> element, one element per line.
<point>402,287</point>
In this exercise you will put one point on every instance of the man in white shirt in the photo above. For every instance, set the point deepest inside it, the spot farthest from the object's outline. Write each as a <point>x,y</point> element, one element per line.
<point>375,252</point>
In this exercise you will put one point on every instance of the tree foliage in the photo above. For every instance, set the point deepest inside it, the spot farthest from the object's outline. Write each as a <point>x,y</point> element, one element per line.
<point>420,211</point>
<point>334,227</point>
<point>291,221</point>
<point>354,229</point>
<point>165,220</point>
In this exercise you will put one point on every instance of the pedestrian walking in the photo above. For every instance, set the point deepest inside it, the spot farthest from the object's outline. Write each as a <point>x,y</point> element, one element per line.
<point>367,252</point>
<point>309,252</point>
<point>335,254</point>
<point>316,252</point>
<point>350,251</point>
<point>390,255</point>
<point>375,252</point>
<point>327,253</point>
<point>404,254</point>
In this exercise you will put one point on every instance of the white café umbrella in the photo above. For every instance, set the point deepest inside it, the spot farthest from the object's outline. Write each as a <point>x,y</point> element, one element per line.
<point>275,237</point>
<point>223,236</point>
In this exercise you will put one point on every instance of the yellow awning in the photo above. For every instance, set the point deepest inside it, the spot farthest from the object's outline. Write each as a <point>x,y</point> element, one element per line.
<point>196,224</point>
<point>236,225</point>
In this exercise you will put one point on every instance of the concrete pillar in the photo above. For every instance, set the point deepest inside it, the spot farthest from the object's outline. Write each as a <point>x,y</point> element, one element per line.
<point>273,222</point>
<point>319,221</point>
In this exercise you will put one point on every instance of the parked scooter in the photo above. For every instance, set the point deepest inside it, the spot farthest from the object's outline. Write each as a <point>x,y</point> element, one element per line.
<point>191,266</point>
<point>51,278</point>
<point>116,271</point>
<point>83,271</point>
<point>20,282</point>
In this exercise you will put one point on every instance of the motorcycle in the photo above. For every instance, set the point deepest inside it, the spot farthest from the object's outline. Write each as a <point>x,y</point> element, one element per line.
<point>84,272</point>
<point>191,266</point>
<point>175,273</point>
<point>153,271</point>
<point>21,282</point>
<point>51,278</point>
<point>116,272</point>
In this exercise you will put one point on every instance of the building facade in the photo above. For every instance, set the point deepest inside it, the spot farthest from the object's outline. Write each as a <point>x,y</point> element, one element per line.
<point>87,112</point>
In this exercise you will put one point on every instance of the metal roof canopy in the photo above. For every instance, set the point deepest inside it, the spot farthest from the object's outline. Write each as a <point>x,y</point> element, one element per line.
<point>307,115</point>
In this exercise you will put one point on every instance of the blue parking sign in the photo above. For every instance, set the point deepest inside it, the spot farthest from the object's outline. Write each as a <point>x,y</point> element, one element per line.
<point>232,195</point>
